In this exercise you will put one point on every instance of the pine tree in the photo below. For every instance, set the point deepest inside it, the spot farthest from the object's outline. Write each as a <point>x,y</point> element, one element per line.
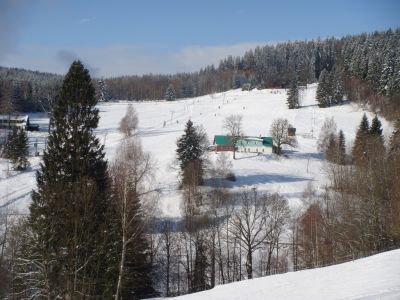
<point>190,153</point>
<point>359,152</point>
<point>387,75</point>
<point>338,90</point>
<point>68,210</point>
<point>170,93</point>
<point>103,92</point>
<point>374,69</point>
<point>376,127</point>
<point>17,149</point>
<point>323,89</point>
<point>331,151</point>
<point>293,94</point>
<point>376,143</point>
<point>341,149</point>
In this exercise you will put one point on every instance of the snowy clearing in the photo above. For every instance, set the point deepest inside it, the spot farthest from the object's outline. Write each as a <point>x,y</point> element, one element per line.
<point>288,175</point>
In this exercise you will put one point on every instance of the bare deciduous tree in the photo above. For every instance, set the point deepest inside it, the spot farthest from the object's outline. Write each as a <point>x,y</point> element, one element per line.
<point>248,225</point>
<point>130,173</point>
<point>279,133</point>
<point>328,128</point>
<point>169,241</point>
<point>277,214</point>
<point>233,124</point>
<point>129,122</point>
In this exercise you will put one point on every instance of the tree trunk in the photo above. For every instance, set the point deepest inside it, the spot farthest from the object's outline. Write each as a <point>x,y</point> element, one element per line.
<point>168,267</point>
<point>249,263</point>
<point>213,261</point>
<point>123,250</point>
<point>121,268</point>
<point>220,262</point>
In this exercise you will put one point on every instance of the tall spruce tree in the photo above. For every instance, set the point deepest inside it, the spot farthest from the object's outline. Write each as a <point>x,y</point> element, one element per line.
<point>293,94</point>
<point>341,148</point>
<point>68,209</point>
<point>359,152</point>
<point>376,142</point>
<point>190,154</point>
<point>331,151</point>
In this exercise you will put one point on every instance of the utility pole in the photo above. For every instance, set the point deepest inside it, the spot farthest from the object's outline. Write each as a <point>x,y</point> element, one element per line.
<point>312,122</point>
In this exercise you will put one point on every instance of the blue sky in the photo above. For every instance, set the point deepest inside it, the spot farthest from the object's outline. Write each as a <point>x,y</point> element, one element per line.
<point>136,37</point>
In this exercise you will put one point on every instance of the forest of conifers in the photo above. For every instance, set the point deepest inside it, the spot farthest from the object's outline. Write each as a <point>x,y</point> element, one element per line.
<point>369,64</point>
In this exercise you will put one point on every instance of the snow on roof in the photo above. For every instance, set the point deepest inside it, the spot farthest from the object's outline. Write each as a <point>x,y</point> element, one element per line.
<point>15,117</point>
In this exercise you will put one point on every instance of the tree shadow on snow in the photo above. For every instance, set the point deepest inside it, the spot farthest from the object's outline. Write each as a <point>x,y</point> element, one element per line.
<point>248,180</point>
<point>303,155</point>
<point>243,180</point>
<point>155,132</point>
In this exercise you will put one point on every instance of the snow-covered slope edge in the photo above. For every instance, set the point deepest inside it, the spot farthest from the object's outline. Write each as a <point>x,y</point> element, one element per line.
<point>374,277</point>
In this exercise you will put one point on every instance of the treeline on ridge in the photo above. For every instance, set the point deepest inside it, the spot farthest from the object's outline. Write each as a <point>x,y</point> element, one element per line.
<point>368,63</point>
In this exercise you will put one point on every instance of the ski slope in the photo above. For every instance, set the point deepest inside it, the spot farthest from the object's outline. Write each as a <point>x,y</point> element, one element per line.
<point>287,175</point>
<point>372,278</point>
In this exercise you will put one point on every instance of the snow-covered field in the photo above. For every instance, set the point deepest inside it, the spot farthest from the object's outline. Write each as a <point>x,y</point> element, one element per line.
<point>287,175</point>
<point>372,278</point>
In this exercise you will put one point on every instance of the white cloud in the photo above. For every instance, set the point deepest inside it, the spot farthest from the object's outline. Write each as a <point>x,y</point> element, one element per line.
<point>116,60</point>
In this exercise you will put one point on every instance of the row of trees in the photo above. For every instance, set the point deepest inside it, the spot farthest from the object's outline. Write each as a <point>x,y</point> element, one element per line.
<point>372,67</point>
<point>226,238</point>
<point>369,59</point>
<point>22,90</point>
<point>358,213</point>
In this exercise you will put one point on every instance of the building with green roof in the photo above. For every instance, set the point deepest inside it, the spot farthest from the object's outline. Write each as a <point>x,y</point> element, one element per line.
<point>251,144</point>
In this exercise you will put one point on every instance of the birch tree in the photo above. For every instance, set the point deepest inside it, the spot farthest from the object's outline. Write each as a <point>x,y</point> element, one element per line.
<point>131,172</point>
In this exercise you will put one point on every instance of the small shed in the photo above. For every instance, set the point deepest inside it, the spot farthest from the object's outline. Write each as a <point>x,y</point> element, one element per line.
<point>291,131</point>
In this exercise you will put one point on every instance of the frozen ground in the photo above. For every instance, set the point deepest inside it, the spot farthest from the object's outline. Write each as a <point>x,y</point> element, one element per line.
<point>287,175</point>
<point>372,278</point>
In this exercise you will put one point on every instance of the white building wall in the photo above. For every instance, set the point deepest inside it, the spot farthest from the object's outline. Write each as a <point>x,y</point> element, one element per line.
<point>255,149</point>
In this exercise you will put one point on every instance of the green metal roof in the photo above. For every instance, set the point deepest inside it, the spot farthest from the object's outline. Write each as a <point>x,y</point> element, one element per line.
<point>222,140</point>
<point>252,141</point>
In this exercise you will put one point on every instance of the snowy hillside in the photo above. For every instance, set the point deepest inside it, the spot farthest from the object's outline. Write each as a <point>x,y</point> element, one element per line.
<point>288,175</point>
<point>374,277</point>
